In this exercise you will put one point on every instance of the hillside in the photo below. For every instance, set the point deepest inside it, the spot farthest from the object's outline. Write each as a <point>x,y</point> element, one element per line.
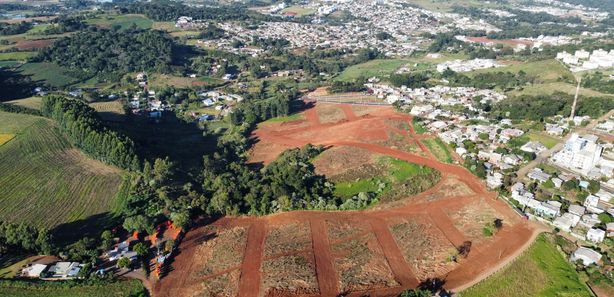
<point>45,181</point>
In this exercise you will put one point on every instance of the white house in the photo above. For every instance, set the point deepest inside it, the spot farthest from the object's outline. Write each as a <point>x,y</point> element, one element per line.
<point>595,235</point>
<point>586,255</point>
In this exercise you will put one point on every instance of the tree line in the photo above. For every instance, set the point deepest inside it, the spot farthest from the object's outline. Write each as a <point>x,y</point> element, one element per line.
<point>103,51</point>
<point>13,29</point>
<point>22,237</point>
<point>543,106</point>
<point>85,130</point>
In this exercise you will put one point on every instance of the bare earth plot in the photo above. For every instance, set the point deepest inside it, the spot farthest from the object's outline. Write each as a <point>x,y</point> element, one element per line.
<point>379,251</point>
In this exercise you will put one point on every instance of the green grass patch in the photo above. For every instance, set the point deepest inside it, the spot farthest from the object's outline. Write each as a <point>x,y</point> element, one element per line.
<point>11,264</point>
<point>379,68</point>
<point>16,56</point>
<point>547,140</point>
<point>123,21</point>
<point>418,127</point>
<point>289,118</point>
<point>9,63</point>
<point>545,71</point>
<point>124,288</point>
<point>46,182</point>
<point>48,73</point>
<point>300,11</point>
<point>393,178</point>
<point>541,271</point>
<point>439,149</point>
<point>550,88</point>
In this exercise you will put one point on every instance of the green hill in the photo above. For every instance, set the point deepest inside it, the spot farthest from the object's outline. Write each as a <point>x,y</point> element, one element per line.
<point>47,182</point>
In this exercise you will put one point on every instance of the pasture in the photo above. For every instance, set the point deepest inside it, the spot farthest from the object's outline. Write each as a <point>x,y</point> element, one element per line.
<point>48,73</point>
<point>45,181</point>
<point>540,271</point>
<point>545,71</point>
<point>16,56</point>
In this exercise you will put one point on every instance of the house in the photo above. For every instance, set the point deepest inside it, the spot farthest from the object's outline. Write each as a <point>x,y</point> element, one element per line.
<point>538,175</point>
<point>512,159</point>
<point>610,229</point>
<point>208,102</point>
<point>494,180</point>
<point>592,204</point>
<point>576,209</point>
<point>34,271</point>
<point>557,182</point>
<point>547,209</point>
<point>566,221</point>
<point>533,147</point>
<point>64,270</point>
<point>586,255</point>
<point>595,235</point>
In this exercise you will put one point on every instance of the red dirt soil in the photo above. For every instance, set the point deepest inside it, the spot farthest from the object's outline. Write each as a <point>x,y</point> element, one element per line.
<point>359,132</point>
<point>34,44</point>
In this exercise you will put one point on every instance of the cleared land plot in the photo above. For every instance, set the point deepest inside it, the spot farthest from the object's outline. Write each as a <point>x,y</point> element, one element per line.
<point>124,288</point>
<point>289,275</point>
<point>343,229</point>
<point>224,250</point>
<point>287,238</point>
<point>541,271</point>
<point>547,140</point>
<point>449,188</point>
<point>45,181</point>
<point>165,80</point>
<point>225,284</point>
<point>476,221</point>
<point>300,11</point>
<point>439,149</point>
<point>338,160</point>
<point>552,87</point>
<point>361,265</point>
<point>424,247</point>
<point>329,113</point>
<point>123,21</point>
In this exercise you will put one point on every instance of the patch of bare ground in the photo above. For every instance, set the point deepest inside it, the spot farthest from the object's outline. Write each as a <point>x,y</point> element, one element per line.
<point>361,265</point>
<point>223,251</point>
<point>473,217</point>
<point>341,159</point>
<point>223,285</point>
<point>329,113</point>
<point>424,247</point>
<point>401,142</point>
<point>362,110</point>
<point>290,275</point>
<point>287,238</point>
<point>450,187</point>
<point>266,152</point>
<point>340,229</point>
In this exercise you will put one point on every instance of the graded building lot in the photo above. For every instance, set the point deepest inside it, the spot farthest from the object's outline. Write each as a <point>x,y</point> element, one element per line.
<point>378,252</point>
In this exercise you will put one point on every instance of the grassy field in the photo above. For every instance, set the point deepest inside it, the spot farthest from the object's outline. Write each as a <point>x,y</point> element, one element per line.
<point>47,182</point>
<point>5,137</point>
<point>70,289</point>
<point>300,11</point>
<point>379,67</point>
<point>545,71</point>
<point>30,102</point>
<point>110,111</point>
<point>290,118</point>
<point>547,140</point>
<point>439,149</point>
<point>396,172</point>
<point>446,5</point>
<point>418,128</point>
<point>8,63</point>
<point>48,73</point>
<point>16,56</point>
<point>540,271</point>
<point>124,21</point>
<point>550,88</point>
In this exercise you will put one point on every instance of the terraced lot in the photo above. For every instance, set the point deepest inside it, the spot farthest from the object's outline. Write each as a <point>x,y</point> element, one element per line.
<point>45,181</point>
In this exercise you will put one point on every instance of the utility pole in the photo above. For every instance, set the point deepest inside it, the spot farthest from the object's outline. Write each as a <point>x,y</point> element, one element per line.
<point>575,100</point>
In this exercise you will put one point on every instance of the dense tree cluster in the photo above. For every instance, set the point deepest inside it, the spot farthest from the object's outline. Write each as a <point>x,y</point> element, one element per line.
<point>357,85</point>
<point>22,237</point>
<point>211,32</point>
<point>543,106</point>
<point>100,51</point>
<point>66,23</point>
<point>599,82</point>
<point>18,109</point>
<point>489,80</point>
<point>410,80</point>
<point>13,29</point>
<point>252,112</point>
<point>14,85</point>
<point>85,130</point>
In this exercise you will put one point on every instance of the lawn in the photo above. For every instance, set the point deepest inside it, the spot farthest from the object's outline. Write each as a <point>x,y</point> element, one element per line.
<point>396,174</point>
<point>16,56</point>
<point>48,73</point>
<point>124,288</point>
<point>439,149</point>
<point>547,140</point>
<point>379,67</point>
<point>46,182</point>
<point>541,271</point>
<point>124,21</point>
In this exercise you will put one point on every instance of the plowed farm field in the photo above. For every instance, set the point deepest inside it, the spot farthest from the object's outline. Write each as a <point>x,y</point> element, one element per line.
<point>379,251</point>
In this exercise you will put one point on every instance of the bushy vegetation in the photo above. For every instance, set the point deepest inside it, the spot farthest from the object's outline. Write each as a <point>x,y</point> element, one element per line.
<point>13,29</point>
<point>89,288</point>
<point>22,237</point>
<point>170,11</point>
<point>542,106</point>
<point>489,80</point>
<point>81,123</point>
<point>100,51</point>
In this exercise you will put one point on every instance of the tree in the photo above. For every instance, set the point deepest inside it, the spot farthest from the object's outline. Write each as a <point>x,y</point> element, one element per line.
<point>123,262</point>
<point>594,186</point>
<point>141,249</point>
<point>138,223</point>
<point>416,293</point>
<point>180,219</point>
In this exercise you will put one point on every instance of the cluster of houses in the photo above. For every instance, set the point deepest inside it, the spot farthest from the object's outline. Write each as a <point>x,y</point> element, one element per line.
<point>468,65</point>
<point>219,101</point>
<point>564,9</point>
<point>583,60</point>
<point>54,271</point>
<point>423,99</point>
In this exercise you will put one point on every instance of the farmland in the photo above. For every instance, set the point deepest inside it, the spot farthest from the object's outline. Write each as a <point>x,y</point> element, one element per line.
<point>46,181</point>
<point>542,271</point>
<point>18,56</point>
<point>70,289</point>
<point>48,73</point>
<point>30,102</point>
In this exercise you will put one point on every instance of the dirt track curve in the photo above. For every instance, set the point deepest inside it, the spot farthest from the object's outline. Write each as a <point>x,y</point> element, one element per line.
<point>365,132</point>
